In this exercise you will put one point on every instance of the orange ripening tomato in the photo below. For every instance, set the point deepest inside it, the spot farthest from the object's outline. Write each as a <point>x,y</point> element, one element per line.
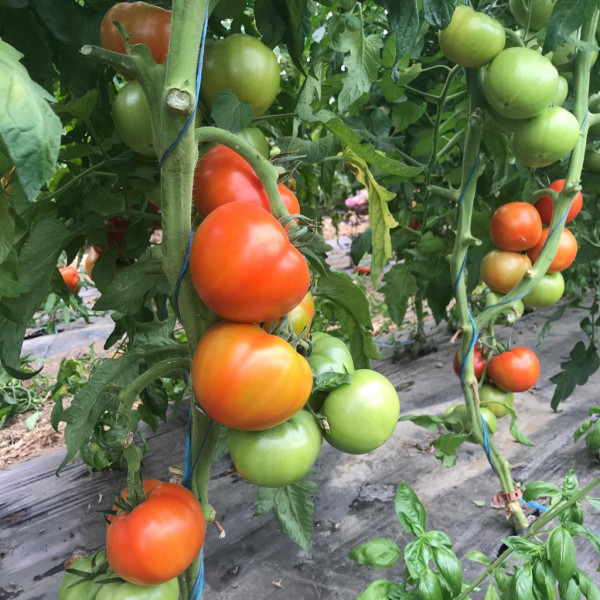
<point>545,205</point>
<point>247,379</point>
<point>71,278</point>
<point>223,176</point>
<point>516,226</point>
<point>300,317</point>
<point>565,254</point>
<point>147,24</point>
<point>244,267</point>
<point>514,371</point>
<point>502,270</point>
<point>159,538</point>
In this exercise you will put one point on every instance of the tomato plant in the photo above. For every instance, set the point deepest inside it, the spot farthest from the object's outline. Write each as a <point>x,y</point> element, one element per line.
<point>515,370</point>
<point>247,379</point>
<point>479,362</point>
<point>159,538</point>
<point>545,206</point>
<point>496,400</point>
<point>565,255</point>
<point>520,83</point>
<point>472,39</point>
<point>516,226</point>
<point>277,456</point>
<point>244,65</point>
<point>223,176</point>
<point>70,276</point>
<point>244,267</point>
<point>147,24</point>
<point>132,119</point>
<point>362,415</point>
<point>547,291</point>
<point>502,270</point>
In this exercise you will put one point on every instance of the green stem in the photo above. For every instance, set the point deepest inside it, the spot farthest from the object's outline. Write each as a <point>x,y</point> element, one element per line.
<point>273,117</point>
<point>61,190</point>
<point>514,36</point>
<point>451,142</point>
<point>444,192</point>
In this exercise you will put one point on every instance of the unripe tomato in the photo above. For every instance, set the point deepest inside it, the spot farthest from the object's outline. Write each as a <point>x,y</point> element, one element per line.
<point>223,176</point>
<point>133,120</point>
<point>495,400</point>
<point>71,278</point>
<point>520,83</point>
<point>591,162</point>
<point>479,361</point>
<point>243,265</point>
<point>565,255</point>
<point>504,125</point>
<point>501,270</point>
<point>514,371</point>
<point>545,138</point>
<point>147,24</point>
<point>159,538</point>
<point>244,65</point>
<point>563,58</point>
<point>562,92</point>
<point>459,411</point>
<point>516,226</point>
<point>278,456</point>
<point>472,39</point>
<point>548,291</point>
<point>246,379</point>
<point>534,14</point>
<point>362,415</point>
<point>256,138</point>
<point>545,206</point>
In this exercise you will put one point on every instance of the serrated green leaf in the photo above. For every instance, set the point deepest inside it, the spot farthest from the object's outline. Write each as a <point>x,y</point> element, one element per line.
<point>567,16</point>
<point>399,286</point>
<point>447,445</point>
<point>514,429</point>
<point>438,13</point>
<point>403,17</point>
<point>427,421</point>
<point>293,508</point>
<point>406,114</point>
<point>409,510</point>
<point>380,553</point>
<point>229,113</point>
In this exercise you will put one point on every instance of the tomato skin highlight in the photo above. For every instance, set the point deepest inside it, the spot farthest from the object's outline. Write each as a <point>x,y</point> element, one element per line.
<point>223,176</point>
<point>545,206</point>
<point>565,254</point>
<point>159,538</point>
<point>502,270</point>
<point>516,226</point>
<point>70,276</point>
<point>243,265</point>
<point>246,379</point>
<point>515,370</point>
<point>362,415</point>
<point>472,39</point>
<point>278,456</point>
<point>147,24</point>
<point>479,362</point>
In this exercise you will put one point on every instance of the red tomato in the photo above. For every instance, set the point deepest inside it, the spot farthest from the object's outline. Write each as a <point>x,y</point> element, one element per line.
<point>243,265</point>
<point>514,371</point>
<point>223,176</point>
<point>71,278</point>
<point>159,538</point>
<point>147,24</point>
<point>246,379</point>
<point>502,270</point>
<point>479,361</point>
<point>362,269</point>
<point>565,255</point>
<point>516,226</point>
<point>545,205</point>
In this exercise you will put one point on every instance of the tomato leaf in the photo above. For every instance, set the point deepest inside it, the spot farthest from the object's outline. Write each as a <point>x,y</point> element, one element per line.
<point>447,445</point>
<point>380,553</point>
<point>229,112</point>
<point>382,589</point>
<point>582,364</point>
<point>514,429</point>
<point>293,509</point>
<point>403,20</point>
<point>399,286</point>
<point>7,230</point>
<point>361,245</point>
<point>427,421</point>
<point>439,12</point>
<point>28,126</point>
<point>567,16</point>
<point>409,510</point>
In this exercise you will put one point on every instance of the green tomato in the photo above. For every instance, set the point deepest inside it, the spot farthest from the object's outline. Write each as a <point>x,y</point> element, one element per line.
<point>72,586</point>
<point>496,400</point>
<point>520,83</point>
<point>278,456</point>
<point>472,39</point>
<point>563,58</point>
<point>544,139</point>
<point>460,412</point>
<point>503,124</point>
<point>244,65</point>
<point>362,415</point>
<point>532,13</point>
<point>129,591</point>
<point>229,9</point>
<point>562,92</point>
<point>256,138</point>
<point>548,291</point>
<point>591,161</point>
<point>132,119</point>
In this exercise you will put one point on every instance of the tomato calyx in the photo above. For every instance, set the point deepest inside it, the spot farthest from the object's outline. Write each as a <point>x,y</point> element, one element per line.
<point>301,235</point>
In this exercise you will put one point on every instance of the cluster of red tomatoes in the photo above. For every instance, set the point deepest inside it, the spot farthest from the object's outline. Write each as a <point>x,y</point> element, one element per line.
<point>522,87</point>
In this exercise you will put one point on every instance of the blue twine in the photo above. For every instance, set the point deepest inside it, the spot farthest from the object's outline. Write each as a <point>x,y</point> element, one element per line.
<point>186,263</point>
<point>535,505</point>
<point>196,593</point>
<point>486,443</point>
<point>174,145</point>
